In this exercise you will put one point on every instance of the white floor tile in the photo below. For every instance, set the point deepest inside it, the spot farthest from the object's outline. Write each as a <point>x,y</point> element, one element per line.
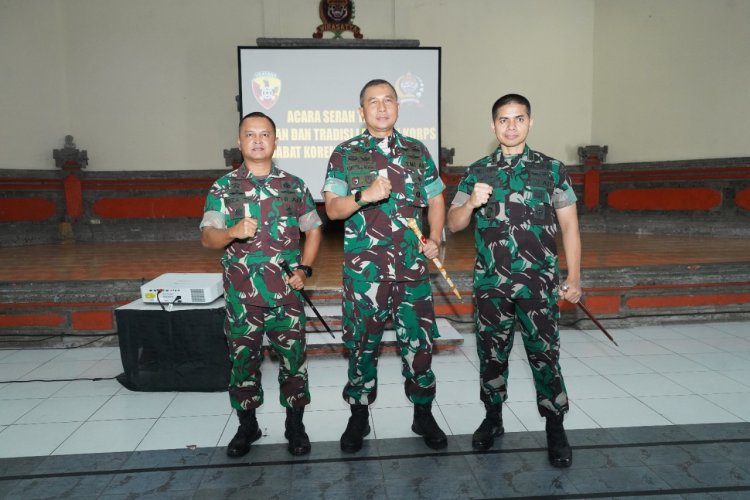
<point>517,369</point>
<point>104,368</point>
<point>33,357</point>
<point>198,404</point>
<point>184,432</point>
<point>105,436</point>
<point>55,369</point>
<point>76,409</point>
<point>686,346</point>
<point>649,384</point>
<point>656,332</point>
<point>596,387</point>
<point>669,363</point>
<point>328,376</point>
<point>588,350</point>
<point>461,370</point>
<point>689,410</point>
<point>389,396</point>
<point>577,336</point>
<point>620,412</point>
<point>4,353</point>
<point>324,398</point>
<point>462,418</point>
<point>88,354</point>
<point>519,389</point>
<point>738,403</point>
<point>13,409</point>
<point>650,380</point>
<point>396,422</point>
<point>463,391</point>
<point>325,425</point>
<point>526,414</point>
<point>31,390</point>
<point>735,345</point>
<point>739,328</point>
<point>615,365</point>
<point>641,347</point>
<point>14,371</point>
<point>574,366</point>
<point>707,382</point>
<point>576,418</point>
<point>741,376</point>
<point>78,388</point>
<point>34,439</point>
<point>134,406</point>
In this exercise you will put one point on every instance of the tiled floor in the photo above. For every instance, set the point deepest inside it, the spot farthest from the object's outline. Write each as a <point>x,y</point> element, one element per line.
<point>661,378</point>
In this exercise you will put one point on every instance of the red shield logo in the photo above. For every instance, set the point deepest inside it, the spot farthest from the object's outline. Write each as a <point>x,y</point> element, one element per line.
<point>266,88</point>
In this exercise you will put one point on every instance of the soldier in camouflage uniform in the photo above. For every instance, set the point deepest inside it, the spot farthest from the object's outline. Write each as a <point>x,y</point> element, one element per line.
<point>517,197</point>
<point>376,181</point>
<point>257,213</point>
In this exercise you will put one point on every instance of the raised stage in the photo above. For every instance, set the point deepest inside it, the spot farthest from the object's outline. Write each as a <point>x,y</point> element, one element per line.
<point>67,293</point>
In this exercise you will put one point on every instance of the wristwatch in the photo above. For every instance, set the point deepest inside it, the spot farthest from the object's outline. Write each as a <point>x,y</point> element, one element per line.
<point>358,199</point>
<point>305,269</point>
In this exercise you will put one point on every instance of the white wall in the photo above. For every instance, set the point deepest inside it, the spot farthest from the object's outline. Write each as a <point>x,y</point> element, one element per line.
<point>150,84</point>
<point>672,79</point>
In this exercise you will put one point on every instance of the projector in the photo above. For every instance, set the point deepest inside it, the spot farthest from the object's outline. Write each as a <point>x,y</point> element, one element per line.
<point>183,288</point>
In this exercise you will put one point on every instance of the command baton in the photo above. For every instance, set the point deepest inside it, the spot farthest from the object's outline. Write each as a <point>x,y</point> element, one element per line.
<point>592,318</point>
<point>412,223</point>
<point>285,266</point>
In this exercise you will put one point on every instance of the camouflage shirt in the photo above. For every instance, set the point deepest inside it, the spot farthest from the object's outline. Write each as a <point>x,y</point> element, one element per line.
<point>515,231</point>
<point>378,244</point>
<point>283,207</point>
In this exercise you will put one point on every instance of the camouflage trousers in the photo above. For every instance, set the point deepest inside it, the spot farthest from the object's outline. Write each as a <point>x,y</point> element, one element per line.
<point>495,318</point>
<point>366,308</point>
<point>284,326</point>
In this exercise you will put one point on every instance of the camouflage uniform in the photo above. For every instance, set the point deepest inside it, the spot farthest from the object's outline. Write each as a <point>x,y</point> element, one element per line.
<point>258,300</point>
<point>385,274</point>
<point>516,270</point>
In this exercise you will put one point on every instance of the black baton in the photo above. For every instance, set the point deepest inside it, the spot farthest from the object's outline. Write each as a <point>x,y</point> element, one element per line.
<point>285,266</point>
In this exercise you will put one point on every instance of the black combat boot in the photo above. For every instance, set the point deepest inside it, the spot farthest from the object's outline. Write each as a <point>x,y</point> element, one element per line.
<point>491,426</point>
<point>247,433</point>
<point>424,424</point>
<point>299,443</point>
<point>558,448</point>
<point>356,430</point>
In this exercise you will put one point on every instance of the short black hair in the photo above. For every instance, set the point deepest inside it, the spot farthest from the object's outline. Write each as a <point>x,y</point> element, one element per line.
<point>373,83</point>
<point>258,114</point>
<point>509,98</point>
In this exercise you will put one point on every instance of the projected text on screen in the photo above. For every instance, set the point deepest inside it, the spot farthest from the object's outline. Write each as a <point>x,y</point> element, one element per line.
<point>313,97</point>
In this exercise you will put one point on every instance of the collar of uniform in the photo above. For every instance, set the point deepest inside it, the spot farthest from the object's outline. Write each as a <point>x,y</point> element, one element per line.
<point>244,173</point>
<point>395,139</point>
<point>498,156</point>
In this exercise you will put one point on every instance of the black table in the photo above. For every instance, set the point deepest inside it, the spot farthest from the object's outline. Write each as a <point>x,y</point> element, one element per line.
<point>182,349</point>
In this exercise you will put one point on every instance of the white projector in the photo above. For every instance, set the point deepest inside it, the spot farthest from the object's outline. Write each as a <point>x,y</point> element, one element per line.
<point>183,288</point>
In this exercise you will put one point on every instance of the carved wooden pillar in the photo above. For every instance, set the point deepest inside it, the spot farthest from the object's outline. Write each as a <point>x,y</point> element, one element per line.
<point>592,158</point>
<point>71,160</point>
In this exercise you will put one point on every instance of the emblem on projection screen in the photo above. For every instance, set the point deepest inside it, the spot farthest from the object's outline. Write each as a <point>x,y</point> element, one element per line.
<point>409,88</point>
<point>266,88</point>
<point>337,17</point>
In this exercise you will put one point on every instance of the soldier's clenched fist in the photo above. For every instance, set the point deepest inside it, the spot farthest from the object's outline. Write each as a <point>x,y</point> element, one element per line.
<point>480,195</point>
<point>380,189</point>
<point>245,228</point>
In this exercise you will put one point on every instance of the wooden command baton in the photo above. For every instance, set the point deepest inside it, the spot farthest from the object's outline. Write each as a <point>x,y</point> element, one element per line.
<point>591,317</point>
<point>412,223</point>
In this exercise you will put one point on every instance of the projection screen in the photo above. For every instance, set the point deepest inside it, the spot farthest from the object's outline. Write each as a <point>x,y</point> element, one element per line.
<point>312,94</point>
